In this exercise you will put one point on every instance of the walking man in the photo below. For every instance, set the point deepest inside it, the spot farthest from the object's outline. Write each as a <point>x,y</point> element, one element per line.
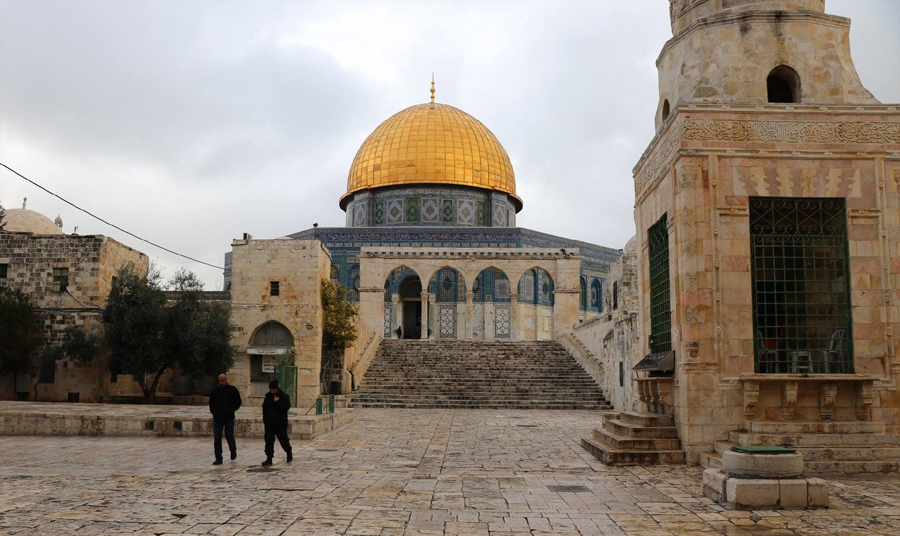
<point>275,421</point>
<point>224,400</point>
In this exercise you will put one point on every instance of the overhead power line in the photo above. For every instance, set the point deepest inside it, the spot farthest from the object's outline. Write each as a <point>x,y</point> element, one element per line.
<point>108,223</point>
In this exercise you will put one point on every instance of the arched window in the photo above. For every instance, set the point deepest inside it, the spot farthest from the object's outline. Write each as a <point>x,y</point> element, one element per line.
<point>583,294</point>
<point>615,295</point>
<point>596,292</point>
<point>665,110</point>
<point>783,85</point>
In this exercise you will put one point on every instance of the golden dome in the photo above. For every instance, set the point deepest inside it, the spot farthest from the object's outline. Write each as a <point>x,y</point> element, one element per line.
<point>432,143</point>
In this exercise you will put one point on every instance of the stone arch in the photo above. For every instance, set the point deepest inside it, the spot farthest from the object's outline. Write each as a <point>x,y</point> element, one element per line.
<point>447,285</point>
<point>582,294</point>
<point>403,318</point>
<point>596,302</point>
<point>491,284</point>
<point>269,340</point>
<point>536,287</point>
<point>272,333</point>
<point>783,85</point>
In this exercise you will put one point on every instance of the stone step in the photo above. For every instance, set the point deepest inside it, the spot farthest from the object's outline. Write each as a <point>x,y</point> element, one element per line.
<point>816,427</point>
<point>495,374</point>
<point>611,456</point>
<point>618,442</point>
<point>484,405</point>
<point>814,440</point>
<point>640,418</point>
<point>625,429</point>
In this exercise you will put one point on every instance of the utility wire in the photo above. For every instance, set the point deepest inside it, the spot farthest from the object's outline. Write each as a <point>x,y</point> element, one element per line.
<point>107,223</point>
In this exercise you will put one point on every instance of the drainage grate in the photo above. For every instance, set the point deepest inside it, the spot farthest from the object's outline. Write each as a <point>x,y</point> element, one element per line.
<point>262,470</point>
<point>527,425</point>
<point>568,489</point>
<point>327,450</point>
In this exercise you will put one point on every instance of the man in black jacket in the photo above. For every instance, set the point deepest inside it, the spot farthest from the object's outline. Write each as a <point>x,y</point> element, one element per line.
<point>275,420</point>
<point>224,400</point>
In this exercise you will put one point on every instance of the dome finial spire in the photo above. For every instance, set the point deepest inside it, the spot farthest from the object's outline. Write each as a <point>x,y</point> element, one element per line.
<point>432,88</point>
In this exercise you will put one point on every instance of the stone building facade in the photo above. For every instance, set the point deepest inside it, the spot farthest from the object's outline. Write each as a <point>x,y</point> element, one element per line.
<point>69,278</point>
<point>767,213</point>
<point>276,304</point>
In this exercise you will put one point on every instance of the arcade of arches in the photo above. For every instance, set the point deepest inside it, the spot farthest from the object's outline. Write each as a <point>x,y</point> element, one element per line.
<point>469,294</point>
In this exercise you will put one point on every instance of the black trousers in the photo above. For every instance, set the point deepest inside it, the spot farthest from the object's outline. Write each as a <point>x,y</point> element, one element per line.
<point>281,433</point>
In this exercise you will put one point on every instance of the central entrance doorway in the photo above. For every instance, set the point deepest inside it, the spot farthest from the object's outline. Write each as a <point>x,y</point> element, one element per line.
<point>411,303</point>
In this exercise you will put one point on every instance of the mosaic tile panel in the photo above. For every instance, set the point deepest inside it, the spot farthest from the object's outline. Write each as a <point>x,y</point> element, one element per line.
<point>395,211</point>
<point>412,210</point>
<point>447,322</point>
<point>430,210</point>
<point>448,212</point>
<point>480,213</point>
<point>500,216</point>
<point>359,216</point>
<point>465,214</point>
<point>388,309</point>
<point>502,321</point>
<point>379,213</point>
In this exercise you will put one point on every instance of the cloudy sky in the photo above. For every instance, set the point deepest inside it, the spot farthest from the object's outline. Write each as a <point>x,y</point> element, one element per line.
<point>189,123</point>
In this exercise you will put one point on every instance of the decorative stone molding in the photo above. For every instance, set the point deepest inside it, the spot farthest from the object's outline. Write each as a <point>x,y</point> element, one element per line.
<point>864,384</point>
<point>792,131</point>
<point>865,395</point>
<point>789,400</point>
<point>751,399</point>
<point>863,213</point>
<point>828,392</point>
<point>655,393</point>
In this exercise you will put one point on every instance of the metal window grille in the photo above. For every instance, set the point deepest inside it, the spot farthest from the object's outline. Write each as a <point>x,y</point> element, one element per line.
<point>60,279</point>
<point>801,285</point>
<point>4,268</point>
<point>660,313</point>
<point>274,288</point>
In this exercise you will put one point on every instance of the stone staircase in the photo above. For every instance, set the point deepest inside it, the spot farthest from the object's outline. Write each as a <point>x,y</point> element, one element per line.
<point>635,438</point>
<point>477,374</point>
<point>829,448</point>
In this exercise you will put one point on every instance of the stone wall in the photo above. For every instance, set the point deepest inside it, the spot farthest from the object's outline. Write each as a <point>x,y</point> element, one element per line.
<point>92,261</point>
<point>613,338</point>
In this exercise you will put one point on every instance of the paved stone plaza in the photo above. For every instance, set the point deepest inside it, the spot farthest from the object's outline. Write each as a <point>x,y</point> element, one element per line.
<point>472,472</point>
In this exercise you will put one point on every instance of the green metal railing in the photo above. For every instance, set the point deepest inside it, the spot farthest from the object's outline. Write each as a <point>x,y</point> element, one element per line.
<point>801,285</point>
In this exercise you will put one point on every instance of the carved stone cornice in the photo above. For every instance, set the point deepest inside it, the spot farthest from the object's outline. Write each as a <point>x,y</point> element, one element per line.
<point>815,125</point>
<point>884,132</point>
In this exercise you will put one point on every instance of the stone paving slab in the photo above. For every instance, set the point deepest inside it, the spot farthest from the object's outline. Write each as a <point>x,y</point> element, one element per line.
<point>403,472</point>
<point>55,419</point>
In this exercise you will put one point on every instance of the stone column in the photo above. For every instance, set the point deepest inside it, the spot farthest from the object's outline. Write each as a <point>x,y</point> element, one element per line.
<point>397,314</point>
<point>470,309</point>
<point>514,317</point>
<point>434,317</point>
<point>424,323</point>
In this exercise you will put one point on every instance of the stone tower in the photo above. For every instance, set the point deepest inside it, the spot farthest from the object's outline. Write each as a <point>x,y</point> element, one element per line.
<point>754,51</point>
<point>767,220</point>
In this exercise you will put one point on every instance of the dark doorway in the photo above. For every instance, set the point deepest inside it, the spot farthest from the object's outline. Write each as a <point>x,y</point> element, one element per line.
<point>412,319</point>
